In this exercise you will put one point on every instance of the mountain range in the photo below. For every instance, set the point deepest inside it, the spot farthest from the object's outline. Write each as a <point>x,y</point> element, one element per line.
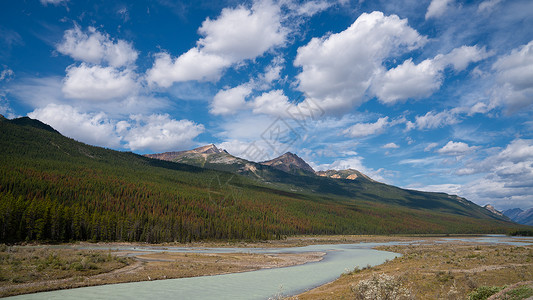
<point>209,156</point>
<point>53,188</point>
<point>520,216</point>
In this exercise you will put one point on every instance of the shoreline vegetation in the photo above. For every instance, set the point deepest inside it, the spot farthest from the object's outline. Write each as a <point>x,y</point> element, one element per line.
<point>429,270</point>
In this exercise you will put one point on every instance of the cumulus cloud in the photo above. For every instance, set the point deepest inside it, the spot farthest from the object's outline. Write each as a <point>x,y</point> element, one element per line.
<point>433,120</point>
<point>230,101</point>
<point>365,129</point>
<point>409,80</point>
<point>155,132</point>
<point>271,103</point>
<point>461,57</point>
<point>390,146</point>
<point>456,149</point>
<point>160,133</point>
<point>437,8</point>
<point>91,46</point>
<point>98,83</point>
<point>514,74</point>
<point>337,69</point>
<point>92,128</point>
<point>238,34</point>
<point>508,179</point>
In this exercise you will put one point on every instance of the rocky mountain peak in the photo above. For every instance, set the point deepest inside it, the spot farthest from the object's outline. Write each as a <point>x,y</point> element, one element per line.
<point>289,162</point>
<point>492,210</point>
<point>207,149</point>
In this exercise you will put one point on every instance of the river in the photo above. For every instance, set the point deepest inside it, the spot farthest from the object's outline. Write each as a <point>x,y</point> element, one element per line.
<point>260,284</point>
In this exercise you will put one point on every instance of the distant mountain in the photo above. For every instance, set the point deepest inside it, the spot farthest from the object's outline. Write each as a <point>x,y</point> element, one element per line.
<point>520,216</point>
<point>350,174</point>
<point>290,163</point>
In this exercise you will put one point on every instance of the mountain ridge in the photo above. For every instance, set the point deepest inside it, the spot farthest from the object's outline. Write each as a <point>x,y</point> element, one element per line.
<point>520,216</point>
<point>290,163</point>
<point>53,188</point>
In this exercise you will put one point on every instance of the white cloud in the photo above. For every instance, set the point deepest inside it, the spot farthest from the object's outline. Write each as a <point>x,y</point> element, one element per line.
<point>337,69</point>
<point>5,108</point>
<point>433,120</point>
<point>6,74</point>
<point>508,176</point>
<point>155,132</point>
<point>236,35</point>
<point>309,8</point>
<point>365,129</point>
<point>54,2</point>
<point>98,83</point>
<point>230,101</point>
<point>92,128</point>
<point>273,103</point>
<point>390,146</point>
<point>456,148</point>
<point>461,57</point>
<point>272,73</point>
<point>488,5</point>
<point>408,81</point>
<point>256,151</point>
<point>430,146</point>
<point>241,33</point>
<point>418,81</point>
<point>193,65</point>
<point>95,47</point>
<point>160,133</point>
<point>515,78</point>
<point>437,8</point>
<point>354,162</point>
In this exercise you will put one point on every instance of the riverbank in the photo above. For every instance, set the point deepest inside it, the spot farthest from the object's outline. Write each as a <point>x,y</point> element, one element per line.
<point>36,269</point>
<point>428,269</point>
<point>432,270</point>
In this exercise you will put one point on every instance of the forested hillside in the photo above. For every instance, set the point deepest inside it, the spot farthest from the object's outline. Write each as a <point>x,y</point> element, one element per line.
<point>53,188</point>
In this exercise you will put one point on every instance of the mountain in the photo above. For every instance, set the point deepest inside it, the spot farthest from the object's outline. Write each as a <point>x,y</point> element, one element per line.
<point>290,172</point>
<point>211,157</point>
<point>520,216</point>
<point>493,210</point>
<point>350,174</point>
<point>290,163</point>
<point>53,188</point>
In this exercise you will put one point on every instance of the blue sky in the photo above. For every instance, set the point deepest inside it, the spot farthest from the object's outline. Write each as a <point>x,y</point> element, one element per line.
<point>433,95</point>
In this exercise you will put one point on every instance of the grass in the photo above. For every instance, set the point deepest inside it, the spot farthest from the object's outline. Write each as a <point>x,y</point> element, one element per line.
<point>20,265</point>
<point>441,271</point>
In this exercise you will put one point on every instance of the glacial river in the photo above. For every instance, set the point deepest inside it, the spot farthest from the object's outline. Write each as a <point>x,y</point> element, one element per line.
<point>261,284</point>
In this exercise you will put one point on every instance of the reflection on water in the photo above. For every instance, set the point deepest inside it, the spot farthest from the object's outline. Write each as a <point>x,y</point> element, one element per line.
<point>260,284</point>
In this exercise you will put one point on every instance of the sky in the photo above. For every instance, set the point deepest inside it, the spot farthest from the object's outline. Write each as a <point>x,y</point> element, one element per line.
<point>432,95</point>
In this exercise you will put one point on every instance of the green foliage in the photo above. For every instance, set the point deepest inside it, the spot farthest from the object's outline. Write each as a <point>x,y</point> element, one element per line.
<point>522,292</point>
<point>484,292</point>
<point>521,233</point>
<point>53,188</point>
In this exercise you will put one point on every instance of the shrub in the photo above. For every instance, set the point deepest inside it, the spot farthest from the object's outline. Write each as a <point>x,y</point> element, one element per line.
<point>381,287</point>
<point>484,292</point>
<point>522,292</point>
